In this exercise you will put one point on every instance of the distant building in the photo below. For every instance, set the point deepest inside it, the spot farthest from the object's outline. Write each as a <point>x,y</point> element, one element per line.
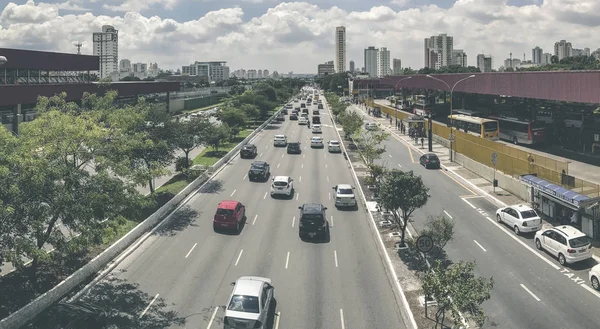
<point>371,60</point>
<point>546,59</point>
<point>326,68</point>
<point>459,57</point>
<point>563,49</point>
<point>536,55</point>
<point>265,73</point>
<point>351,66</point>
<point>106,45</point>
<point>212,71</point>
<point>484,63</point>
<point>383,62</point>
<point>397,66</point>
<point>438,51</point>
<point>340,49</point>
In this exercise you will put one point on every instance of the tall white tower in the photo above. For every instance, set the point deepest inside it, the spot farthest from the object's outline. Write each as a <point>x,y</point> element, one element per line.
<point>340,49</point>
<point>106,45</point>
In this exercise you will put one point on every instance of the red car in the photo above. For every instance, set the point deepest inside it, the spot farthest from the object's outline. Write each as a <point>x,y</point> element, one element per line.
<point>229,215</point>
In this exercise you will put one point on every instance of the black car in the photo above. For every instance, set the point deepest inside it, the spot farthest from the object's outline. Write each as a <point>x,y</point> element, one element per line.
<point>293,147</point>
<point>280,118</point>
<point>248,151</point>
<point>316,119</point>
<point>320,106</point>
<point>293,116</point>
<point>259,170</point>
<point>430,160</point>
<point>284,111</point>
<point>305,111</point>
<point>316,112</point>
<point>313,221</point>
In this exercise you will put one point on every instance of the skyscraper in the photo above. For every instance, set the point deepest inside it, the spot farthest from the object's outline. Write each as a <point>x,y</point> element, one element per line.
<point>340,49</point>
<point>397,66</point>
<point>536,55</point>
<point>351,66</point>
<point>438,51</point>
<point>459,57</point>
<point>563,49</point>
<point>106,45</point>
<point>383,62</point>
<point>484,63</point>
<point>371,60</point>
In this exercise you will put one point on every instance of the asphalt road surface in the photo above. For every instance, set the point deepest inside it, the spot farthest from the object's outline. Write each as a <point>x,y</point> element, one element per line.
<point>531,289</point>
<point>338,284</point>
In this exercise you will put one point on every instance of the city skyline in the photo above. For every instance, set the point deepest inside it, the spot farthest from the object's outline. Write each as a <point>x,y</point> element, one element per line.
<point>293,36</point>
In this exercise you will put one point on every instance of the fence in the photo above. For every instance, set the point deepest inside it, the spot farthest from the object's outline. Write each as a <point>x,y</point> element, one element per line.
<point>31,310</point>
<point>511,161</point>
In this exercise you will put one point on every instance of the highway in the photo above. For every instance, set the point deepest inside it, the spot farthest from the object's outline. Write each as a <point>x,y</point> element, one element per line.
<point>531,289</point>
<point>338,284</point>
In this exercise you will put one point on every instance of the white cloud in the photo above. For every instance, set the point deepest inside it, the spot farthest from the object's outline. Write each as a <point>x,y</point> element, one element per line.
<point>140,5</point>
<point>297,35</point>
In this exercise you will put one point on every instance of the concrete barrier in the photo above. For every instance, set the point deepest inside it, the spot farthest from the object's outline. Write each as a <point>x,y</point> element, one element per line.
<point>31,310</point>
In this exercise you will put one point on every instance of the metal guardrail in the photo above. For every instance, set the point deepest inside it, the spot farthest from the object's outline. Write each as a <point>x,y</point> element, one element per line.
<point>31,310</point>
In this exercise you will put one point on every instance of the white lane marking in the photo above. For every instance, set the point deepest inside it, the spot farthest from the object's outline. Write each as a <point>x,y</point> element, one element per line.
<point>329,195</point>
<point>473,197</point>
<point>277,316</point>
<point>279,164</point>
<point>469,203</point>
<point>303,155</point>
<point>342,318</point>
<point>246,175</point>
<point>480,246</point>
<point>325,166</point>
<point>212,318</point>
<point>254,221</point>
<point>264,197</point>
<point>390,155</point>
<point>293,221</point>
<point>232,193</point>
<point>297,196</point>
<point>590,289</point>
<point>335,258</point>
<point>331,221</point>
<point>302,166</point>
<point>148,307</point>
<point>529,291</point>
<point>282,155</point>
<point>325,154</point>
<point>399,165</point>
<point>287,260</point>
<point>189,252</point>
<point>239,256</point>
<point>261,155</point>
<point>300,179</point>
<point>328,178</point>
<point>447,214</point>
<point>267,146</point>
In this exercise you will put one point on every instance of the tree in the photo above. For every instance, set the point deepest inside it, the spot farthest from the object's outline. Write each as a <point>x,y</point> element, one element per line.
<point>402,191</point>
<point>351,123</point>
<point>234,118</point>
<point>457,290</point>
<point>188,135</point>
<point>217,134</point>
<point>369,146</point>
<point>441,230</point>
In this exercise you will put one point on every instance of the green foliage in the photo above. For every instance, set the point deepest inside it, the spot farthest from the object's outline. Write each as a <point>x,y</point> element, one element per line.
<point>441,230</point>
<point>330,82</point>
<point>187,135</point>
<point>404,192</point>
<point>369,144</point>
<point>217,135</point>
<point>567,64</point>
<point>351,122</point>
<point>235,118</point>
<point>457,290</point>
<point>449,69</point>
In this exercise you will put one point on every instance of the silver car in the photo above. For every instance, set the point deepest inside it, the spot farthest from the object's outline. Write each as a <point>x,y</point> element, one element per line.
<point>344,196</point>
<point>249,303</point>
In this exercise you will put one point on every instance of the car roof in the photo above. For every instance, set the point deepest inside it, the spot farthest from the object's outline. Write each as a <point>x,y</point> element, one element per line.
<point>249,145</point>
<point>281,178</point>
<point>430,155</point>
<point>259,163</point>
<point>316,125</point>
<point>312,208</point>
<point>249,285</point>
<point>227,204</point>
<point>521,207</point>
<point>317,137</point>
<point>344,186</point>
<point>334,141</point>
<point>569,231</point>
<point>279,135</point>
<point>291,143</point>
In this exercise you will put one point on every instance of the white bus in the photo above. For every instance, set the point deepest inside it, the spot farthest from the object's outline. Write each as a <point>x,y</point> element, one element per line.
<point>520,131</point>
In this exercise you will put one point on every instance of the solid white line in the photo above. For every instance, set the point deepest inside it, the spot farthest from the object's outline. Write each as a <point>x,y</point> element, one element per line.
<point>261,155</point>
<point>293,221</point>
<point>480,246</point>
<point>239,256</point>
<point>473,197</point>
<point>329,195</point>
<point>189,252</point>
<point>447,214</point>
<point>300,179</point>
<point>529,291</point>
<point>297,196</point>
<point>212,318</point>
<point>325,166</point>
<point>246,175</point>
<point>282,155</point>
<point>264,197</point>
<point>267,146</point>
<point>469,203</point>
<point>302,166</point>
<point>148,307</point>
<point>590,289</point>
<point>232,193</point>
<point>390,155</point>
<point>254,221</point>
<point>279,164</point>
<point>287,260</point>
<point>303,155</point>
<point>331,220</point>
<point>328,178</point>
<point>335,258</point>
<point>342,318</point>
<point>277,316</point>
<point>399,165</point>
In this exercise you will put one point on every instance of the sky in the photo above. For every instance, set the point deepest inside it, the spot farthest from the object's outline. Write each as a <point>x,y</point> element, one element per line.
<point>297,36</point>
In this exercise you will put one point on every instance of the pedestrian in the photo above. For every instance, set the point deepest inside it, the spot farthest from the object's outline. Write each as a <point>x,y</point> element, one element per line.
<point>422,142</point>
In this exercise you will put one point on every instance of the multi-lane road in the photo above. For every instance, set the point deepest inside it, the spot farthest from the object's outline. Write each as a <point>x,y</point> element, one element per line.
<point>339,284</point>
<point>531,289</point>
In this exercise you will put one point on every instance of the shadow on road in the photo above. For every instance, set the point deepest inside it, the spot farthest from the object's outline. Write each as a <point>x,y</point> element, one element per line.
<point>179,221</point>
<point>272,126</point>
<point>213,186</point>
<point>112,303</point>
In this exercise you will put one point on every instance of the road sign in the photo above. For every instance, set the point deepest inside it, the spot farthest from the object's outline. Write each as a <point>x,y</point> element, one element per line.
<point>424,244</point>
<point>494,158</point>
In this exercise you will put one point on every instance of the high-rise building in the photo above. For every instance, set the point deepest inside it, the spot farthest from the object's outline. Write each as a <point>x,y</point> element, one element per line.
<point>484,63</point>
<point>106,46</point>
<point>383,62</point>
<point>265,73</point>
<point>259,74</point>
<point>351,66</point>
<point>459,57</point>
<point>326,68</point>
<point>514,63</point>
<point>371,58</point>
<point>438,51</point>
<point>580,52</point>
<point>213,71</point>
<point>125,66</point>
<point>563,49</point>
<point>340,49</point>
<point>546,58</point>
<point>536,55</point>
<point>397,66</point>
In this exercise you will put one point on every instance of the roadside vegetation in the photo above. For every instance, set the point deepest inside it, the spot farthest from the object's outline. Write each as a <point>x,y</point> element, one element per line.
<point>69,178</point>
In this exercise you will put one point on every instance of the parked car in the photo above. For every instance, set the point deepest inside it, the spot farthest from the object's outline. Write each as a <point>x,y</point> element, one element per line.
<point>430,160</point>
<point>595,277</point>
<point>229,215</point>
<point>520,218</point>
<point>565,242</point>
<point>248,151</point>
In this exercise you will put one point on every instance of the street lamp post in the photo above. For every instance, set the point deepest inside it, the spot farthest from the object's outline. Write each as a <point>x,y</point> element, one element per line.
<point>395,108</point>
<point>451,111</point>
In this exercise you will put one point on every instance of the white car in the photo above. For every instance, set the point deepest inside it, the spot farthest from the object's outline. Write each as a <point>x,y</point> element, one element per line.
<point>316,142</point>
<point>344,196</point>
<point>595,277</point>
<point>316,129</point>
<point>567,243</point>
<point>520,218</point>
<point>249,304</point>
<point>282,185</point>
<point>370,126</point>
<point>334,147</point>
<point>302,120</point>
<point>279,140</point>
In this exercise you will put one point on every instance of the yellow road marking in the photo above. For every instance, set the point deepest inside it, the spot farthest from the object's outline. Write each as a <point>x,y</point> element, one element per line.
<point>459,183</point>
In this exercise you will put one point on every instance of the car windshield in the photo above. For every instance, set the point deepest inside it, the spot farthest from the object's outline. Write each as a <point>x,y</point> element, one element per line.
<point>528,214</point>
<point>312,218</point>
<point>316,139</point>
<point>248,304</point>
<point>224,212</point>
<point>280,183</point>
<point>579,242</point>
<point>345,191</point>
<point>248,147</point>
<point>334,143</point>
